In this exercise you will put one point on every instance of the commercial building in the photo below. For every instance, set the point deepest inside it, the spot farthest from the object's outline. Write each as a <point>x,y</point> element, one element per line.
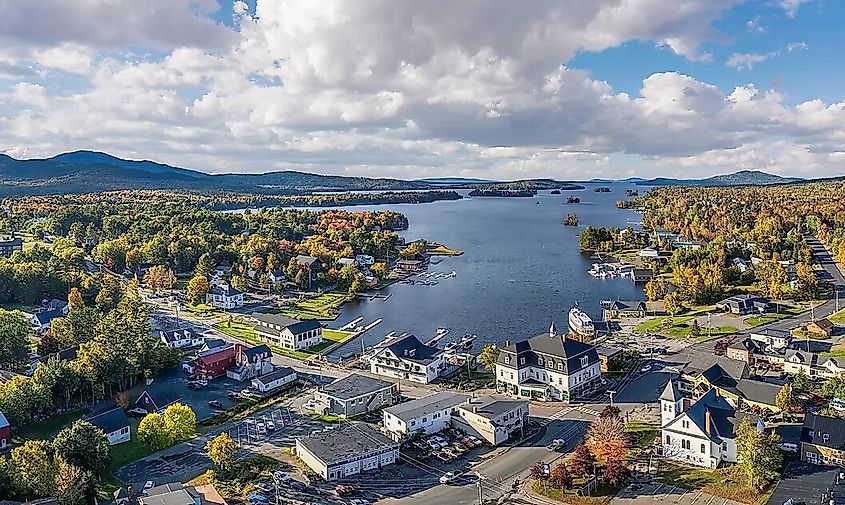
<point>277,379</point>
<point>491,418</point>
<point>251,362</point>
<point>350,449</point>
<point>114,424</point>
<point>426,415</point>
<point>224,296</point>
<point>286,332</point>
<point>214,363</point>
<point>355,395</point>
<point>548,367</point>
<point>408,358</point>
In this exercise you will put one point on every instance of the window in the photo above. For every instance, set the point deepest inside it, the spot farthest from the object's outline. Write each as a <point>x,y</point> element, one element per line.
<point>560,366</point>
<point>507,360</point>
<point>584,361</point>
<point>425,419</point>
<point>540,360</point>
<point>668,440</point>
<point>521,361</point>
<point>702,448</point>
<point>685,423</point>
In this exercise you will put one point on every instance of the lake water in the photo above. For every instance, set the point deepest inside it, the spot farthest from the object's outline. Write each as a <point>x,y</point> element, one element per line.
<point>521,268</point>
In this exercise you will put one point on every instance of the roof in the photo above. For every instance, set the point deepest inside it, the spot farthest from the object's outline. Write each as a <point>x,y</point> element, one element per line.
<point>623,304</point>
<point>181,334</point>
<point>551,346</point>
<point>159,400</point>
<point>723,417</point>
<point>671,393</point>
<point>276,273</point>
<point>771,332</point>
<point>410,348</point>
<point>306,260</point>
<point>348,441</point>
<point>225,290</point>
<point>807,484</point>
<point>353,386</point>
<point>758,391</point>
<point>303,326</point>
<point>278,320</point>
<point>228,348</point>
<point>746,344</point>
<point>276,374</point>
<point>823,323</point>
<point>259,350</point>
<point>694,362</point>
<point>607,351</point>
<point>45,316</point>
<point>213,343</point>
<point>819,426</point>
<point>110,420</point>
<point>3,421</point>
<point>491,406</point>
<point>426,405</point>
<point>182,496</point>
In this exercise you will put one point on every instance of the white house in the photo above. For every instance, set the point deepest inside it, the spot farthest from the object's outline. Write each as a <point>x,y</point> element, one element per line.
<point>224,296</point>
<point>812,365</point>
<point>409,359</point>
<point>114,423</point>
<point>276,379</point>
<point>548,367</point>
<point>702,433</point>
<point>287,332</point>
<point>428,415</point>
<point>365,260</point>
<point>491,418</point>
<point>179,339</point>
<point>774,339</point>
<point>40,321</point>
<point>350,449</point>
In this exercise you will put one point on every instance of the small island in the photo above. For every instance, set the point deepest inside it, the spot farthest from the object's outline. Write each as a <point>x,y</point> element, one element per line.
<point>512,193</point>
<point>625,204</point>
<point>632,192</point>
<point>602,189</point>
<point>570,220</point>
<point>573,199</point>
<point>555,192</point>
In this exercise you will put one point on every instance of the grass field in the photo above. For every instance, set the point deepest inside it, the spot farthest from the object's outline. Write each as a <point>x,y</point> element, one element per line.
<point>723,482</point>
<point>682,326</point>
<point>770,318</point>
<point>322,306</point>
<point>243,331</point>
<point>838,318</point>
<point>47,428</point>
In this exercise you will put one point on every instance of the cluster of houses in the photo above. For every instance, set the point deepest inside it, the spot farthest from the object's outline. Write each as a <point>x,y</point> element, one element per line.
<point>777,349</point>
<point>8,245</point>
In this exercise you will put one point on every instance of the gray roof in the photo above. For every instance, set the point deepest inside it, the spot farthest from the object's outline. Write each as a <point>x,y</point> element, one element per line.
<point>185,496</point>
<point>45,316</point>
<point>276,374</point>
<point>820,426</point>
<point>182,334</point>
<point>277,319</point>
<point>353,386</point>
<point>693,362</point>
<point>426,405</point>
<point>348,441</point>
<point>771,332</point>
<point>225,290</point>
<point>410,344</point>
<point>758,391</point>
<point>305,260</point>
<point>303,326</point>
<point>723,417</point>
<point>807,484</point>
<point>492,406</point>
<point>671,392</point>
<point>110,420</point>
<point>556,347</point>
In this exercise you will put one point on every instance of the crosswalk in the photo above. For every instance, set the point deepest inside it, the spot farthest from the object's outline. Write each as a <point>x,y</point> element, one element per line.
<point>564,411</point>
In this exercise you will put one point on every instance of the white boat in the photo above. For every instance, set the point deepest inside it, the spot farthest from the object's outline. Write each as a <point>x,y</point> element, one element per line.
<point>580,322</point>
<point>450,347</point>
<point>467,340</point>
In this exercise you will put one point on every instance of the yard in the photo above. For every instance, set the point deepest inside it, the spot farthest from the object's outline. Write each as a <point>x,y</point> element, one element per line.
<point>242,331</point>
<point>681,326</point>
<point>753,321</point>
<point>321,306</point>
<point>48,428</point>
<point>722,482</point>
<point>838,318</point>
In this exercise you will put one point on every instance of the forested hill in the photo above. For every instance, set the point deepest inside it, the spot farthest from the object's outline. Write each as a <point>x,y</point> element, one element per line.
<point>741,178</point>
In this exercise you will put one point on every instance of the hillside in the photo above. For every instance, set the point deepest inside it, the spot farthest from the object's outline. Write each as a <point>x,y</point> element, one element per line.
<point>741,178</point>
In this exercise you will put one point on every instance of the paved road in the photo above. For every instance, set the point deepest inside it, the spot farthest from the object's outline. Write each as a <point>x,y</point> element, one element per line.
<point>657,493</point>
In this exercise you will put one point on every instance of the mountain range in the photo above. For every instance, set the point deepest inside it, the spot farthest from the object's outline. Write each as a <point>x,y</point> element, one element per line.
<point>90,171</point>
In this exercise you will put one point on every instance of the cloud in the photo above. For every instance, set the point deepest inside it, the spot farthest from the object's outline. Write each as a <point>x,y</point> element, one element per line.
<point>755,25</point>
<point>747,61</point>
<point>796,46</point>
<point>409,89</point>
<point>790,7</point>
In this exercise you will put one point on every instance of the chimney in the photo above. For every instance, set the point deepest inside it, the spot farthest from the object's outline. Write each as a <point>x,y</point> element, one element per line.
<point>507,342</point>
<point>707,421</point>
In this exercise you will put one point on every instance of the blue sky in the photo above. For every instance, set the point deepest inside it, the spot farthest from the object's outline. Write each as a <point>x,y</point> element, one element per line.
<point>402,88</point>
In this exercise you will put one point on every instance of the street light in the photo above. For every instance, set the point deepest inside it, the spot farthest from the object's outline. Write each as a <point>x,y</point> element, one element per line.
<point>611,393</point>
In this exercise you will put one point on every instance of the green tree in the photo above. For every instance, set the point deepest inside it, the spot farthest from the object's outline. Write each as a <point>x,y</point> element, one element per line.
<point>656,289</point>
<point>489,355</point>
<point>205,265</point>
<point>759,455</point>
<point>800,381</point>
<point>33,469</point>
<point>832,388</point>
<point>83,445</point>
<point>152,432</point>
<point>74,485</point>
<point>695,329</point>
<point>197,289</point>
<point>14,339</point>
<point>672,304</point>
<point>180,422</point>
<point>110,294</point>
<point>222,450</point>
<point>784,399</point>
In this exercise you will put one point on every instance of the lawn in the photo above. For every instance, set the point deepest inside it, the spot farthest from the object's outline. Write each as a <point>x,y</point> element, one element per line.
<point>753,321</point>
<point>49,427</point>
<point>127,452</point>
<point>722,482</point>
<point>322,306</point>
<point>602,496</point>
<point>681,327</point>
<point>640,434</point>
<point>243,331</point>
<point>838,318</point>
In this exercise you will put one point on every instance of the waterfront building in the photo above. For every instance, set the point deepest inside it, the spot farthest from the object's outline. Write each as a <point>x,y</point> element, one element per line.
<point>408,358</point>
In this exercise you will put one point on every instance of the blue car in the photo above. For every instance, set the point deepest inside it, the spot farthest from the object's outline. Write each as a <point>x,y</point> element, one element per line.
<point>257,498</point>
<point>297,485</point>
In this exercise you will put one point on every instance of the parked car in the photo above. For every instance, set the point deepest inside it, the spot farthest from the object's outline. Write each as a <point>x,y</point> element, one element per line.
<point>343,490</point>
<point>137,412</point>
<point>556,444</point>
<point>645,368</point>
<point>262,428</point>
<point>215,404</point>
<point>447,477</point>
<point>271,426</point>
<point>281,476</point>
<point>233,395</point>
<point>257,498</point>
<point>789,447</point>
<point>265,487</point>
<point>475,440</point>
<point>297,485</point>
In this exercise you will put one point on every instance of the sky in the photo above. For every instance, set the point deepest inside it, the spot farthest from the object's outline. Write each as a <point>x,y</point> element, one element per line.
<point>498,89</point>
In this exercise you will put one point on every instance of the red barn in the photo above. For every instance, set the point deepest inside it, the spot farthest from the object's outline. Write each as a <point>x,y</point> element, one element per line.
<point>5,432</point>
<point>214,362</point>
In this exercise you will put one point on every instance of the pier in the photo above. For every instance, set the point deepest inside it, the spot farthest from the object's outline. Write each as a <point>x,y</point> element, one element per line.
<point>356,330</point>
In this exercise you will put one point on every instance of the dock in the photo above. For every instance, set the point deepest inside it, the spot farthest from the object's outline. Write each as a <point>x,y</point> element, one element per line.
<point>351,324</point>
<point>356,332</point>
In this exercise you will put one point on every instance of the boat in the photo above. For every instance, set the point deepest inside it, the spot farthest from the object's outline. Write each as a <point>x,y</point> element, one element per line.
<point>580,322</point>
<point>450,347</point>
<point>467,340</point>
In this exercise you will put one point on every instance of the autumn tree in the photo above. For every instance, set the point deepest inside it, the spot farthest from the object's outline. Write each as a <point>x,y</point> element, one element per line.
<point>222,450</point>
<point>656,289</point>
<point>33,469</point>
<point>180,422</point>
<point>73,484</point>
<point>582,462</point>
<point>537,473</point>
<point>152,433</point>
<point>160,278</point>
<point>74,299</point>
<point>784,398</point>
<point>197,289</point>
<point>672,304</point>
<point>607,439</point>
<point>561,477</point>
<point>615,473</point>
<point>489,355</point>
<point>759,455</point>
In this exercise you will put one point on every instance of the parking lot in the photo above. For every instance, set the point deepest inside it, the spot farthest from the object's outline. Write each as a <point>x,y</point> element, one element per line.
<point>657,493</point>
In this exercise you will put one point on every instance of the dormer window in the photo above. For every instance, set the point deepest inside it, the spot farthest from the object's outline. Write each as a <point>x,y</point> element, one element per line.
<point>560,366</point>
<point>540,360</point>
<point>507,360</point>
<point>584,361</point>
<point>521,361</point>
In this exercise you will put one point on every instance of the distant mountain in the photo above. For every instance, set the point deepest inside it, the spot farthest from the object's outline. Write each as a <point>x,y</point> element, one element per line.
<point>454,180</point>
<point>741,178</point>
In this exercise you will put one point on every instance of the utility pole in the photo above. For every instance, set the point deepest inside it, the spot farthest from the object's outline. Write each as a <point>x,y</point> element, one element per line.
<point>611,393</point>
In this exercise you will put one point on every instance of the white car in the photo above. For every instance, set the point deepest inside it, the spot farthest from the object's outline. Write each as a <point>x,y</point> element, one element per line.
<point>271,426</point>
<point>447,477</point>
<point>789,447</point>
<point>262,428</point>
<point>556,444</point>
<point>646,368</point>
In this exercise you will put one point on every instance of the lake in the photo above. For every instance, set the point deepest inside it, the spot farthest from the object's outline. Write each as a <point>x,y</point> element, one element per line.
<point>521,268</point>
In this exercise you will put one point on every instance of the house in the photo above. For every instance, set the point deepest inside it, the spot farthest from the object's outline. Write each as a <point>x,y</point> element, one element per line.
<point>251,362</point>
<point>365,260</point>
<point>822,327</point>
<point>492,418</point>
<point>648,252</point>
<point>823,440</point>
<point>410,265</point>
<point>641,275</point>
<point>745,350</point>
<point>656,307</point>
<point>9,245</point>
<point>212,343</point>
<point>277,379</point>
<point>311,266</point>
<point>547,367</point>
<point>214,363</point>
<point>276,278</point>
<point>68,354</point>
<point>355,395</point>
<point>771,338</point>
<point>606,355</point>
<point>221,270</point>
<point>695,365</point>
<point>56,304</point>
<point>740,264</point>
<point>176,493</point>
<point>287,332</point>
<point>5,432</point>
<point>114,424</point>
<point>812,365</point>
<point>426,415</point>
<point>742,393</point>
<point>180,339</point>
<point>408,358</point>
<point>40,321</point>
<point>224,296</point>
<point>614,309</point>
<point>743,304</point>
<point>157,402</point>
<point>350,449</point>
<point>701,434</point>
